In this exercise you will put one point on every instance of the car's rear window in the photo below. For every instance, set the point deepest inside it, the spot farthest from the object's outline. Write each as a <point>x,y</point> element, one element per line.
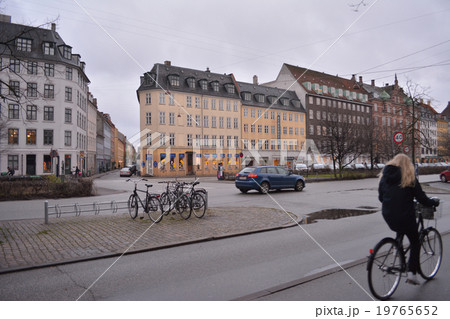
<point>247,170</point>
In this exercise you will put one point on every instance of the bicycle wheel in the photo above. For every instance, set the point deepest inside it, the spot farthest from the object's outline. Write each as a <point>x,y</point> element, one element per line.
<point>165,203</point>
<point>183,206</point>
<point>133,206</point>
<point>430,252</point>
<point>198,205</point>
<point>384,269</point>
<point>154,209</point>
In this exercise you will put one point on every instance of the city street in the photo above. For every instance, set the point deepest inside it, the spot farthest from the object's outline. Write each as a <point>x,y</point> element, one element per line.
<point>225,269</point>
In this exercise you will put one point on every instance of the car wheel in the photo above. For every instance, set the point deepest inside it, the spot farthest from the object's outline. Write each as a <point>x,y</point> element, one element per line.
<point>299,186</point>
<point>243,190</point>
<point>443,179</point>
<point>264,188</point>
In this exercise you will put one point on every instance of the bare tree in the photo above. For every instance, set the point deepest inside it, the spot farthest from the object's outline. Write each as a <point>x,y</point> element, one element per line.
<point>343,140</point>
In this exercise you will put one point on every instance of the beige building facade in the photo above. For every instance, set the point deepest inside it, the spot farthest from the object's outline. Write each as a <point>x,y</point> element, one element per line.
<point>190,122</point>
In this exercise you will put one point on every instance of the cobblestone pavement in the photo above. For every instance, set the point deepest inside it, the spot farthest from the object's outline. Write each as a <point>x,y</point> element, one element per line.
<point>31,243</point>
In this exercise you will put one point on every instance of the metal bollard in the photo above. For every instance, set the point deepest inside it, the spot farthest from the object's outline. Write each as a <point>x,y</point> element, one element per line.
<point>46,211</point>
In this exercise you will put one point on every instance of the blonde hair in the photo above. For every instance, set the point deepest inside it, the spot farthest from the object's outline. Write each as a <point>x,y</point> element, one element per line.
<point>407,169</point>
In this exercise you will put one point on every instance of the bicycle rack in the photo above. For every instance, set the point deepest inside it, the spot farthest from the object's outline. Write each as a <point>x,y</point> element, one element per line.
<point>77,209</point>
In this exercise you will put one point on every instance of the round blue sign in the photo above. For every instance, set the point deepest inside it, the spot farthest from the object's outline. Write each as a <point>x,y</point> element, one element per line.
<point>155,164</point>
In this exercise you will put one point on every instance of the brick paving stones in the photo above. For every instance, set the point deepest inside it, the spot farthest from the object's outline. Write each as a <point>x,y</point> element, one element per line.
<point>31,243</point>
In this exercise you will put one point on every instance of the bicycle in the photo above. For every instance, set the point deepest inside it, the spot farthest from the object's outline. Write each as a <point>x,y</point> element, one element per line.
<point>197,199</point>
<point>174,198</point>
<point>387,261</point>
<point>151,204</point>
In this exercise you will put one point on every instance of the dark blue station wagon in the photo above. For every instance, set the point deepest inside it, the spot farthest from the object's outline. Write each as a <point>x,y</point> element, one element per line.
<point>264,178</point>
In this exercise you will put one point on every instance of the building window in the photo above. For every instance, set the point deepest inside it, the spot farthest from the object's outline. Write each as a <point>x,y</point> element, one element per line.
<point>204,84</point>
<point>252,128</point>
<point>197,102</point>
<point>162,117</point>
<point>228,122</point>
<point>215,86</point>
<point>67,138</point>
<point>32,89</point>
<point>172,139</point>
<point>236,122</point>
<point>31,112</point>
<point>221,141</point>
<point>49,69</point>
<point>235,106</point>
<point>13,161</point>
<point>148,98</point>
<point>245,112</point>
<point>191,83</point>
<point>230,88</point>
<point>49,113</point>
<point>69,73</point>
<point>252,113</point>
<point>205,103</point>
<point>189,101</point>
<point>213,122</point>
<point>13,111</point>
<point>171,118</point>
<point>49,48</point>
<point>189,140</point>
<point>162,139</point>
<point>49,91</point>
<point>32,68</point>
<point>149,139</point>
<point>213,104</point>
<point>68,94</point>
<point>162,98</point>
<point>220,105</point>
<point>14,88</point>
<point>228,106</point>
<point>188,120</point>
<point>205,121</point>
<point>220,121</point>
<point>245,128</point>
<point>14,65</point>
<point>67,52</point>
<point>47,168</point>
<point>259,128</point>
<point>13,136</point>
<point>198,120</point>
<point>68,116</point>
<point>266,129</point>
<point>48,137</point>
<point>23,44</point>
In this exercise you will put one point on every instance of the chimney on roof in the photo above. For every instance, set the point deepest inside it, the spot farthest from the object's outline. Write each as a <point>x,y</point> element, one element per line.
<point>373,82</point>
<point>207,69</point>
<point>354,77</point>
<point>95,101</point>
<point>255,80</point>
<point>168,63</point>
<point>360,79</point>
<point>5,18</point>
<point>53,27</point>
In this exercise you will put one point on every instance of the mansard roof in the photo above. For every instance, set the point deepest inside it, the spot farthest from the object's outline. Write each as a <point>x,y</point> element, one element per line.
<point>161,75</point>
<point>272,97</point>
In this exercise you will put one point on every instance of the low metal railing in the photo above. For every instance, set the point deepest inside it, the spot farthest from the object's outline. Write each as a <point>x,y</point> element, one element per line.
<point>78,209</point>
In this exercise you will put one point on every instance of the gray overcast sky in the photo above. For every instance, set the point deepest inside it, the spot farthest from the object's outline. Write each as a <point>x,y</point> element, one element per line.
<point>247,37</point>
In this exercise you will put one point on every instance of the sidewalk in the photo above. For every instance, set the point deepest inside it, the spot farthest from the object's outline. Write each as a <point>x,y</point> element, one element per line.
<point>27,244</point>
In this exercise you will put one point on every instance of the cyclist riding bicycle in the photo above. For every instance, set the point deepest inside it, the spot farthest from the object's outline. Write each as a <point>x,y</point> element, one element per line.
<point>397,189</point>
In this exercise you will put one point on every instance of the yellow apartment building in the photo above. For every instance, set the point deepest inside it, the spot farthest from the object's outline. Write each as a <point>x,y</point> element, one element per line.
<point>273,125</point>
<point>190,122</point>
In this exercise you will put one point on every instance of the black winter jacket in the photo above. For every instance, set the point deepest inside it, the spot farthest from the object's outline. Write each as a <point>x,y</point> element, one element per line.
<point>397,202</point>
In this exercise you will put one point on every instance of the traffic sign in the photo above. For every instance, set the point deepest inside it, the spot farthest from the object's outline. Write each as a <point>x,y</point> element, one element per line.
<point>398,137</point>
<point>406,149</point>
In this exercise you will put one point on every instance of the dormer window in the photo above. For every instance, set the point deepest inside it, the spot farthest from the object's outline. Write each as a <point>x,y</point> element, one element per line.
<point>49,48</point>
<point>203,84</point>
<point>230,88</point>
<point>296,103</point>
<point>246,96</point>
<point>259,98</point>
<point>148,78</point>
<point>284,101</point>
<point>67,52</point>
<point>272,99</point>
<point>215,86</point>
<point>23,44</point>
<point>174,80</point>
<point>191,83</point>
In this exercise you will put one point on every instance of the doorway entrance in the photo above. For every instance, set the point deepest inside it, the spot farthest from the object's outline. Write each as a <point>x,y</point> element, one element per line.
<point>31,165</point>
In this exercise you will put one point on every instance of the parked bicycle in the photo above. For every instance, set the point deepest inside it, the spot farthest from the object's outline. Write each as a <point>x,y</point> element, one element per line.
<point>173,198</point>
<point>197,199</point>
<point>387,261</point>
<point>150,204</point>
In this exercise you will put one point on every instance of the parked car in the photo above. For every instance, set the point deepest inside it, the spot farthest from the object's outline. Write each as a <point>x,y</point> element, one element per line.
<point>359,166</point>
<point>445,176</point>
<point>264,178</point>
<point>380,165</point>
<point>126,171</point>
<point>301,167</point>
<point>317,167</point>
